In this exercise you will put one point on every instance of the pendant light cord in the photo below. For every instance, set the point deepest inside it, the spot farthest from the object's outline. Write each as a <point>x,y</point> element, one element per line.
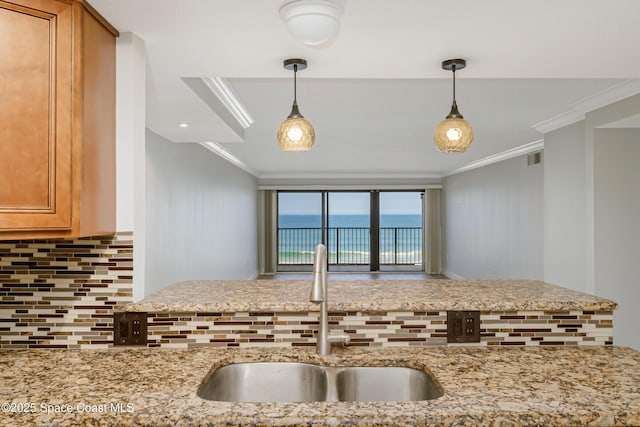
<point>295,64</point>
<point>295,72</point>
<point>454,106</point>
<point>453,68</point>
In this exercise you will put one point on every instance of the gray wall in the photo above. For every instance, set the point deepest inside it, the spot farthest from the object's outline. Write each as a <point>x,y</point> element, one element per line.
<point>617,226</point>
<point>200,216</point>
<point>591,210</point>
<point>564,207</point>
<point>493,221</point>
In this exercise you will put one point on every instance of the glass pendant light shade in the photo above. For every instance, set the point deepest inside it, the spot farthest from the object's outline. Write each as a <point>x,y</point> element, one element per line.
<point>296,133</point>
<point>454,134</point>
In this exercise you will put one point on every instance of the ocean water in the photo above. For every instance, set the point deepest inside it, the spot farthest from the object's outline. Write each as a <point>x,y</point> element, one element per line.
<point>294,221</point>
<point>348,239</point>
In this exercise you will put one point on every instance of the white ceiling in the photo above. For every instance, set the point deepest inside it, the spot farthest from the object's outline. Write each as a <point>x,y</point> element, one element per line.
<point>375,94</point>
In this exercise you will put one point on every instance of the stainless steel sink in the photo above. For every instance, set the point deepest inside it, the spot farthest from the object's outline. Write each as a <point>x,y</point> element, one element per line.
<point>389,383</point>
<point>303,382</point>
<point>266,382</point>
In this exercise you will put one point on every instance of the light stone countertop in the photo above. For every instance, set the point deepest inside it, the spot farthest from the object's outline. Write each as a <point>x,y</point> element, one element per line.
<point>368,295</point>
<point>526,386</point>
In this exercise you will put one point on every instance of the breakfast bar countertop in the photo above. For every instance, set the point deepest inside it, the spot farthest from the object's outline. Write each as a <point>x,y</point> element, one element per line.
<point>368,295</point>
<point>552,386</point>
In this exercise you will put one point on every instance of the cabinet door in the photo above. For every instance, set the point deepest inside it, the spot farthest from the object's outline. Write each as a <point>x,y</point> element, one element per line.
<point>35,115</point>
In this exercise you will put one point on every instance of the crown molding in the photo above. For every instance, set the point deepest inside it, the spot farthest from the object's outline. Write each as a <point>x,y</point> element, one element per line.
<point>223,91</point>
<point>499,157</point>
<point>322,175</point>
<point>608,96</point>
<point>578,110</point>
<point>226,155</point>
<point>350,187</point>
<point>559,121</point>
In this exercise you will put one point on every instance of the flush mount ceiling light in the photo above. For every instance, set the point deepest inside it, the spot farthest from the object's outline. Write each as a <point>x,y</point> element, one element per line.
<point>454,134</point>
<point>295,133</point>
<point>313,22</point>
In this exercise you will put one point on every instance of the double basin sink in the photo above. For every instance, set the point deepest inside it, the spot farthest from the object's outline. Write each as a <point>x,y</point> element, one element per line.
<point>305,382</point>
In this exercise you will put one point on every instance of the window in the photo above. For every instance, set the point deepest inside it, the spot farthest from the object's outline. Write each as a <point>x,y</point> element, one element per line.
<point>363,230</point>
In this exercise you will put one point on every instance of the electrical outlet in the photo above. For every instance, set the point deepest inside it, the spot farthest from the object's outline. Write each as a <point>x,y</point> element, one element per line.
<point>463,326</point>
<point>129,328</point>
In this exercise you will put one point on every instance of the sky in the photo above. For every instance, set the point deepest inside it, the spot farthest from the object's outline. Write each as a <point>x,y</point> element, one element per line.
<point>350,203</point>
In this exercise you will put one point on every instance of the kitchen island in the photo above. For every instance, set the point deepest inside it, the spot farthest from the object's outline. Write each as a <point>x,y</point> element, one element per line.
<point>483,386</point>
<point>546,357</point>
<point>375,313</point>
<point>369,295</point>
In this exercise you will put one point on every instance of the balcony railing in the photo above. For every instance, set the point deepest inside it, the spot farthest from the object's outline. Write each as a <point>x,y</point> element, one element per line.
<point>350,245</point>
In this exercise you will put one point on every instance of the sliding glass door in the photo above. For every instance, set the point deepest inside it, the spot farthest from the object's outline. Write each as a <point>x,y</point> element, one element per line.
<point>300,228</point>
<point>348,231</point>
<point>363,230</point>
<point>401,218</point>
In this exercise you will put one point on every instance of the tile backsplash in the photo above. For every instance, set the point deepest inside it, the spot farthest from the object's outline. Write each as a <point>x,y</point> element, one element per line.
<point>61,293</point>
<point>376,329</point>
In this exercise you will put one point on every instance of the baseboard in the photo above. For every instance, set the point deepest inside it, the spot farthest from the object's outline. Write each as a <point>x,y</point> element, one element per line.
<point>452,275</point>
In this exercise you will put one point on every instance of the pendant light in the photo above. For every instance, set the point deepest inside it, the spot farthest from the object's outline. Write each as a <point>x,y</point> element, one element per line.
<point>295,133</point>
<point>454,134</point>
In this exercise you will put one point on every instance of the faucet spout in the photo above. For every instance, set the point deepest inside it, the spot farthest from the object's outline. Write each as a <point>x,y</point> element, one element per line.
<point>319,280</point>
<point>318,295</point>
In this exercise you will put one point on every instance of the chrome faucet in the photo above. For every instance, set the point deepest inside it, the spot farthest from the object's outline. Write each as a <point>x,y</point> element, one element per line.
<point>319,296</point>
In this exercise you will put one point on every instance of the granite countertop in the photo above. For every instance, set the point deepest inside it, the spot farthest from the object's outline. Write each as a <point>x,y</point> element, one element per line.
<point>556,386</point>
<point>368,295</point>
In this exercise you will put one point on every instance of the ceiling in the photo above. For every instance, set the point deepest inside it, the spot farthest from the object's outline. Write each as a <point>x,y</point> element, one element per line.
<point>377,91</point>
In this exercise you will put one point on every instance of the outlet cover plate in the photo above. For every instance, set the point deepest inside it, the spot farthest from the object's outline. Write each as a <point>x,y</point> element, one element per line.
<point>463,326</point>
<point>130,328</point>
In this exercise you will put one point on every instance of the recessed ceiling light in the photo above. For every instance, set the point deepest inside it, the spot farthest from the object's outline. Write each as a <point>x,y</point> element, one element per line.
<point>183,125</point>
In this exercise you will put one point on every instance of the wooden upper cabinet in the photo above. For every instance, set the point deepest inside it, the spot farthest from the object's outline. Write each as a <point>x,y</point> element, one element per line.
<point>57,120</point>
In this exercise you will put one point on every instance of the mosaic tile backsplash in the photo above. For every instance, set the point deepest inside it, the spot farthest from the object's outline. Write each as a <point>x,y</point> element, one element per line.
<point>375,329</point>
<point>61,293</point>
